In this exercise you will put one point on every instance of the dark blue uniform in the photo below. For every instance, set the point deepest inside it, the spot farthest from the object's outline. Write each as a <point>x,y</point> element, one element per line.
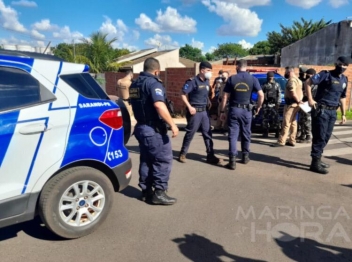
<point>331,88</point>
<point>240,88</point>
<point>151,132</point>
<point>197,91</point>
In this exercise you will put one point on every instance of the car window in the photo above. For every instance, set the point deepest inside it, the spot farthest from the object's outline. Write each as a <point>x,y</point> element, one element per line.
<point>19,89</point>
<point>85,84</point>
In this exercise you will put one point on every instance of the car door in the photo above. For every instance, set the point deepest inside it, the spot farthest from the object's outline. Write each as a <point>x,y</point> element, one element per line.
<point>28,128</point>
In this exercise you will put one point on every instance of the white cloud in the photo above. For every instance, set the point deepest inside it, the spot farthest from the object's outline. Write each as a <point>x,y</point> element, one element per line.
<point>136,35</point>
<point>36,34</point>
<point>240,21</point>
<point>161,41</point>
<point>170,21</point>
<point>66,35</point>
<point>338,3</point>
<point>117,30</point>
<point>197,44</point>
<point>306,4</point>
<point>211,49</point>
<point>245,44</point>
<point>25,3</point>
<point>44,25</point>
<point>248,3</point>
<point>9,18</point>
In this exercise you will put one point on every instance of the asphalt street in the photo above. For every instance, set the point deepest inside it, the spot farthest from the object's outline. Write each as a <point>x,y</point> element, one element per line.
<point>273,209</point>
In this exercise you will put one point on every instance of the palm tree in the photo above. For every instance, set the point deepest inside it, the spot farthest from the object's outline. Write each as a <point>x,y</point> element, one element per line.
<point>99,51</point>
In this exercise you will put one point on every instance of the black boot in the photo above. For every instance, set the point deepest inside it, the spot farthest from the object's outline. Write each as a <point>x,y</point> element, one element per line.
<point>308,139</point>
<point>301,139</point>
<point>160,198</point>
<point>212,159</point>
<point>317,167</point>
<point>232,163</point>
<point>277,133</point>
<point>147,194</point>
<point>245,158</point>
<point>325,165</point>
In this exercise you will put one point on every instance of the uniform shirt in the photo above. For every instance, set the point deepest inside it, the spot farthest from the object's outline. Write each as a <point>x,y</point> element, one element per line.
<point>197,91</point>
<point>240,87</point>
<point>123,86</point>
<point>331,87</point>
<point>276,93</point>
<point>294,84</point>
<point>144,92</point>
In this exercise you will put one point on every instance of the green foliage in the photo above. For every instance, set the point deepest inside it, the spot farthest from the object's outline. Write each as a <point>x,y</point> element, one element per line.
<point>192,53</point>
<point>230,50</point>
<point>291,34</point>
<point>210,56</point>
<point>260,48</point>
<point>97,52</point>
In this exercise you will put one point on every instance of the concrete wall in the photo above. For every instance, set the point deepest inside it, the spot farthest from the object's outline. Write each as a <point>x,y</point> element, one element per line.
<point>320,48</point>
<point>169,59</point>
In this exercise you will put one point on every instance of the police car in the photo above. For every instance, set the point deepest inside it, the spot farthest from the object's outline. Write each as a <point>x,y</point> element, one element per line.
<point>62,145</point>
<point>261,75</point>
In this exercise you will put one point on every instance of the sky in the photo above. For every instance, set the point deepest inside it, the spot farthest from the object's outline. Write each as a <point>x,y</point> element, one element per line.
<point>165,24</point>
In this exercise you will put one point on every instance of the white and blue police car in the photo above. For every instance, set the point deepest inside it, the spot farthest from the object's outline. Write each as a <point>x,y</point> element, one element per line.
<point>62,145</point>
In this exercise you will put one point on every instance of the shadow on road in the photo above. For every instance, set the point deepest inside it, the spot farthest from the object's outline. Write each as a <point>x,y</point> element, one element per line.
<point>341,160</point>
<point>132,192</point>
<point>304,249</point>
<point>34,228</point>
<point>200,249</point>
<point>271,159</point>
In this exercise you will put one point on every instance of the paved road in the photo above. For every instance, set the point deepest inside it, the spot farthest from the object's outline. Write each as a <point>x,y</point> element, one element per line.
<point>272,209</point>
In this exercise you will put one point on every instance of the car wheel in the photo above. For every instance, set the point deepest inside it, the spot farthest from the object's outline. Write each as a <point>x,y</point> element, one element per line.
<point>75,202</point>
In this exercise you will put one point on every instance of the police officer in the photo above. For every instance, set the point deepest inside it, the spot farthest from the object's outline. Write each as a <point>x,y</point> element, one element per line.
<point>197,89</point>
<point>272,100</point>
<point>301,76</point>
<point>331,92</point>
<point>147,96</point>
<point>305,118</point>
<point>238,90</point>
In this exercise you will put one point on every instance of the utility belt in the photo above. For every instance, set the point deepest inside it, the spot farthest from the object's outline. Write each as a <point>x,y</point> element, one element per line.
<point>159,126</point>
<point>244,106</point>
<point>321,106</point>
<point>200,108</point>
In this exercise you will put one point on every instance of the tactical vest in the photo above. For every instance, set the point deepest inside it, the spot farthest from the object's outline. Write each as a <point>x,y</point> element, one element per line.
<point>330,89</point>
<point>271,92</point>
<point>142,105</point>
<point>241,91</point>
<point>199,95</point>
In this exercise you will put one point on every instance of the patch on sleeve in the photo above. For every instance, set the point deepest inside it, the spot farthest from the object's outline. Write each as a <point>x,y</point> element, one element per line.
<point>344,85</point>
<point>159,92</point>
<point>185,87</point>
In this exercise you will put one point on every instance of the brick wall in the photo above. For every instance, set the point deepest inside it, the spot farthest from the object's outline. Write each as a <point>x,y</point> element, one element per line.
<point>174,79</point>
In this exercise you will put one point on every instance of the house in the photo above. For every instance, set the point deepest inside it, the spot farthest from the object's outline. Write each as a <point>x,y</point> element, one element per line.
<point>167,58</point>
<point>321,48</point>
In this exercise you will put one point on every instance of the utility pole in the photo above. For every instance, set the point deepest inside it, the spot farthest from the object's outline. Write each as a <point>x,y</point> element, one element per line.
<point>47,47</point>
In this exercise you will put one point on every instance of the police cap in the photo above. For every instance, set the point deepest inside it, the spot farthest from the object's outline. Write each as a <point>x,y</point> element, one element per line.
<point>270,74</point>
<point>311,71</point>
<point>344,60</point>
<point>205,64</point>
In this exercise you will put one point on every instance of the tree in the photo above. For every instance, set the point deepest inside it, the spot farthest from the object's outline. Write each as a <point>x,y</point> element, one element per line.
<point>289,35</point>
<point>260,48</point>
<point>192,53</point>
<point>209,56</point>
<point>230,50</point>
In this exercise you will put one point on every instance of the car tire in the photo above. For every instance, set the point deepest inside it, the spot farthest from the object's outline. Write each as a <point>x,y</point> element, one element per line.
<point>64,195</point>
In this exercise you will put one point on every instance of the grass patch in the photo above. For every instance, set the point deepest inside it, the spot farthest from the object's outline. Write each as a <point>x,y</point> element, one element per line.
<point>348,115</point>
